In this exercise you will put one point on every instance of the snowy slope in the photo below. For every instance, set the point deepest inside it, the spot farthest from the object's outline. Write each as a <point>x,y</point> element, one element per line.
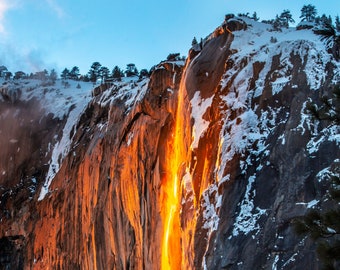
<point>63,101</point>
<point>129,90</point>
<point>265,74</point>
<point>249,127</point>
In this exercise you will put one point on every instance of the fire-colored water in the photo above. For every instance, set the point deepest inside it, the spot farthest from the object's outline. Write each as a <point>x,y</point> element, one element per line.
<point>176,159</point>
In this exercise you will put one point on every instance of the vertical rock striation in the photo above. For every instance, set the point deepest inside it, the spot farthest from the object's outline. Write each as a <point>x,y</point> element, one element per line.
<point>202,166</point>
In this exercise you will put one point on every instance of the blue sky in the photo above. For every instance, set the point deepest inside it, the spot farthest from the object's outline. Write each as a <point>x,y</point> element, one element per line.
<point>38,34</point>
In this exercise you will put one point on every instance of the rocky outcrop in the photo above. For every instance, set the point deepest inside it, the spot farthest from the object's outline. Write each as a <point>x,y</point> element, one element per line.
<point>203,166</point>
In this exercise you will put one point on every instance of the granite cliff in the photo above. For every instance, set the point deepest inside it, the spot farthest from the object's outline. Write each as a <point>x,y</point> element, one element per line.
<point>204,165</point>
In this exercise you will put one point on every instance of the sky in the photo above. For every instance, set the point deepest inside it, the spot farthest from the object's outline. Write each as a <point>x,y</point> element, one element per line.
<point>47,34</point>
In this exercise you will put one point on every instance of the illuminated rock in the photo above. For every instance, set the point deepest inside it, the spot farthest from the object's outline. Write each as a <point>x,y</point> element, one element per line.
<point>202,166</point>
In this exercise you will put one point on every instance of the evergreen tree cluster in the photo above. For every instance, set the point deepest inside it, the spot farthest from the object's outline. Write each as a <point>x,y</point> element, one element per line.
<point>96,72</point>
<point>70,74</point>
<point>102,73</point>
<point>43,75</point>
<point>321,25</point>
<point>281,21</point>
<point>174,57</point>
<point>308,14</point>
<point>324,27</point>
<point>253,16</point>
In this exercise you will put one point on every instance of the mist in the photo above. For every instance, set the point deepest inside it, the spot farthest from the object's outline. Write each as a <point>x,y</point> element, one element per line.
<point>28,61</point>
<point>23,126</point>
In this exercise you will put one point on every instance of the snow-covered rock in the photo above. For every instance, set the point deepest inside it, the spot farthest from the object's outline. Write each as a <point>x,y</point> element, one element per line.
<point>225,135</point>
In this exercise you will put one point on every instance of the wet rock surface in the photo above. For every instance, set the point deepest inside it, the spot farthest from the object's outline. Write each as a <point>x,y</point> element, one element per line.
<point>249,163</point>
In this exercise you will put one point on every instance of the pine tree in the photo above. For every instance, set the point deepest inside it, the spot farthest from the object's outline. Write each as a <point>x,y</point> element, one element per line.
<point>117,73</point>
<point>104,73</point>
<point>337,23</point>
<point>243,15</point>
<point>173,57</point>
<point>19,75</point>
<point>143,73</point>
<point>3,71</point>
<point>53,75</point>
<point>277,23</point>
<point>8,75</point>
<point>84,78</point>
<point>324,21</point>
<point>74,73</point>
<point>65,74</point>
<point>308,13</point>
<point>194,42</point>
<point>94,71</point>
<point>254,16</point>
<point>286,18</point>
<point>131,70</point>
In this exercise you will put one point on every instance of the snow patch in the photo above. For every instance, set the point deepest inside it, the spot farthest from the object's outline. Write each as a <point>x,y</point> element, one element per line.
<point>130,92</point>
<point>187,181</point>
<point>61,148</point>
<point>290,260</point>
<point>289,41</point>
<point>278,85</point>
<point>130,137</point>
<point>211,202</point>
<point>307,121</point>
<point>198,107</point>
<point>56,98</point>
<point>327,173</point>
<point>283,139</point>
<point>330,134</point>
<point>276,260</point>
<point>246,221</point>
<point>210,212</point>
<point>310,204</point>
<point>60,99</point>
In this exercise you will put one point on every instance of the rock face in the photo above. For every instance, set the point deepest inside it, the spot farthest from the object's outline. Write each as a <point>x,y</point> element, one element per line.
<point>202,166</point>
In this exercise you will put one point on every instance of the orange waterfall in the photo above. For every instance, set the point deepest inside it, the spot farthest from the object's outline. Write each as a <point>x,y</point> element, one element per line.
<point>176,158</point>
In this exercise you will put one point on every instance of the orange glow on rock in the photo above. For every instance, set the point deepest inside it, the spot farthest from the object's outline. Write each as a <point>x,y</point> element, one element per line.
<point>176,156</point>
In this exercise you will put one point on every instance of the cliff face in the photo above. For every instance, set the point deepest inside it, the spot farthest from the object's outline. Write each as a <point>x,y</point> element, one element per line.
<point>202,166</point>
